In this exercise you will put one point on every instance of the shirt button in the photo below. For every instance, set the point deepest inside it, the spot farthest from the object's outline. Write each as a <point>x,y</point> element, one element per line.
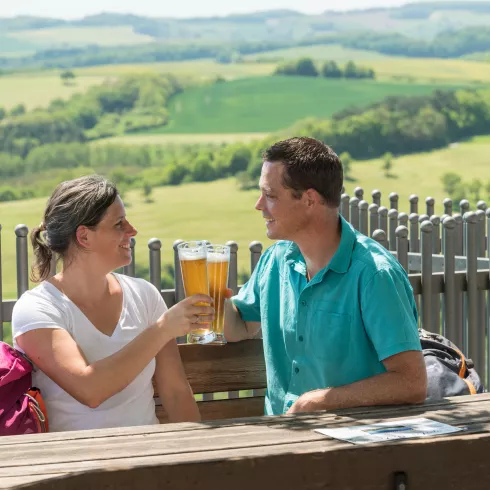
<point>304,303</point>
<point>300,338</point>
<point>296,370</point>
<point>289,404</point>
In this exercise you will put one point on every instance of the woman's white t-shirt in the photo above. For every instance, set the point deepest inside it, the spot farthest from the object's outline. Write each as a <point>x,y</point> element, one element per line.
<point>47,307</point>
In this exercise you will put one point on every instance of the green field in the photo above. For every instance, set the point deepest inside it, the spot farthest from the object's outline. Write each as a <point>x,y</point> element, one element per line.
<point>272,103</point>
<point>81,36</point>
<point>178,139</point>
<point>219,212</point>
<point>389,67</point>
<point>38,90</point>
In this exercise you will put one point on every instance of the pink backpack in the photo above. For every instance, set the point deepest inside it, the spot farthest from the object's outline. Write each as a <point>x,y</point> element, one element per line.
<point>22,409</point>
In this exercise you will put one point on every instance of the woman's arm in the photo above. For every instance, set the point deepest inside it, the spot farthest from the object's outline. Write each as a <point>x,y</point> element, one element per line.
<point>55,352</point>
<point>173,388</point>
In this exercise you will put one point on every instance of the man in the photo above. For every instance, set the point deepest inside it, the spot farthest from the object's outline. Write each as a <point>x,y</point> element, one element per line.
<point>336,310</point>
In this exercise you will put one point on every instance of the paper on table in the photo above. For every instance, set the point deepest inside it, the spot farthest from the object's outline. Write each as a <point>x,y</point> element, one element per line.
<point>387,431</point>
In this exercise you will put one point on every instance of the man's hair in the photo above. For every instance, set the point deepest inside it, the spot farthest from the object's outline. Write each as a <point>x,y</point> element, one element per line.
<point>309,164</point>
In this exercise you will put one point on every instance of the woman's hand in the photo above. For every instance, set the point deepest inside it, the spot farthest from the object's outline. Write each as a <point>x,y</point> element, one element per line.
<point>186,316</point>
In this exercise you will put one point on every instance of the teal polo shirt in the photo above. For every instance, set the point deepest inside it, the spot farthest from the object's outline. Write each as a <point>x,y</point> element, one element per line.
<point>335,329</point>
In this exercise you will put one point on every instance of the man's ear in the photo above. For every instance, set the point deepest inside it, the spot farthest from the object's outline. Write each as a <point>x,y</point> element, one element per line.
<point>312,197</point>
<point>83,238</point>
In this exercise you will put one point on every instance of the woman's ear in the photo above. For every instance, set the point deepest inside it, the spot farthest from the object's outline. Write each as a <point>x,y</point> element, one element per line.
<point>83,238</point>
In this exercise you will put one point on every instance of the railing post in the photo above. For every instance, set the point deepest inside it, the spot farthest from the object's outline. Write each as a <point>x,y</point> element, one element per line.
<point>354,212</point>
<point>423,217</point>
<point>130,269</point>
<point>155,246</point>
<point>481,295</point>
<point>373,218</point>
<point>464,206</point>
<point>436,249</point>
<point>414,203</point>
<point>393,221</point>
<point>344,206</point>
<point>376,194</point>
<point>429,204</point>
<point>22,261</point>
<point>363,218</point>
<point>487,212</point>
<point>233,274</point>
<point>380,237</point>
<point>255,253</point>
<point>178,282</point>
<point>450,327</point>
<point>383,219</point>
<point>393,200</point>
<point>414,233</point>
<point>359,193</point>
<point>459,234</point>
<point>436,240</point>
<point>402,246</point>
<point>475,332</point>
<point>1,288</point>
<point>403,219</point>
<point>426,246</point>
<point>448,206</point>
<point>481,205</point>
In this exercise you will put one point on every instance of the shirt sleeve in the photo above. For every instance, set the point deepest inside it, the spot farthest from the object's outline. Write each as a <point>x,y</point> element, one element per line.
<point>156,304</point>
<point>32,313</point>
<point>248,299</point>
<point>390,314</point>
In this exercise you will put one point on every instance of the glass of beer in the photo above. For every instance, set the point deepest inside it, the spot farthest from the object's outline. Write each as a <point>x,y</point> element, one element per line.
<point>218,269</point>
<point>193,264</point>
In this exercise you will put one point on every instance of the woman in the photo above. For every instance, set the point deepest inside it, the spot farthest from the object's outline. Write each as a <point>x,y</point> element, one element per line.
<point>96,337</point>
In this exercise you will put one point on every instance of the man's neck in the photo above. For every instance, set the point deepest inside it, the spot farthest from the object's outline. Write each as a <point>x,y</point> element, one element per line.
<point>319,244</point>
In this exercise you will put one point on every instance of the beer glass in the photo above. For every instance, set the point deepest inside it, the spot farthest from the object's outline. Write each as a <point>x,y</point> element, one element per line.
<point>218,269</point>
<point>193,264</point>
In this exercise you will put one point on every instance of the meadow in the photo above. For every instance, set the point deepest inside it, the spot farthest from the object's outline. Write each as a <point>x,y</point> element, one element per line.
<point>262,104</point>
<point>38,88</point>
<point>218,211</point>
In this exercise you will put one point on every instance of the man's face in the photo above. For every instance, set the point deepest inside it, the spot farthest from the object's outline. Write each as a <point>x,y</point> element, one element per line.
<point>284,214</point>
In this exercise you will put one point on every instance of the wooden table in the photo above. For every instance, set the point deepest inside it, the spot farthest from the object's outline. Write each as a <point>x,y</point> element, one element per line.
<point>258,453</point>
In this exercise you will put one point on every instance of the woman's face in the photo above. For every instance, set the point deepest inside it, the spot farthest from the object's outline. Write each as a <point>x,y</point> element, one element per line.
<point>111,239</point>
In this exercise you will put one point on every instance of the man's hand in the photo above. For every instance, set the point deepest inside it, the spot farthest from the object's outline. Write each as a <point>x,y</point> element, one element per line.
<point>312,401</point>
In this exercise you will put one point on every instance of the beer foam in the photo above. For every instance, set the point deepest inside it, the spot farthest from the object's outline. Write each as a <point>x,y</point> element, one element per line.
<point>191,255</point>
<point>216,257</point>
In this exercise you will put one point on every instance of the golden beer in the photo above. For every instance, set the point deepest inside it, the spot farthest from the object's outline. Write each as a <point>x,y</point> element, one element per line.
<point>218,268</point>
<point>193,264</point>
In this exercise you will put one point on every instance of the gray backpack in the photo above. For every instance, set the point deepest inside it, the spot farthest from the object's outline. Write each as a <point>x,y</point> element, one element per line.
<point>449,372</point>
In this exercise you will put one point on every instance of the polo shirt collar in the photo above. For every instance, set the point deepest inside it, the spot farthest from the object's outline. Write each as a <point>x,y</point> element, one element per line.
<point>340,261</point>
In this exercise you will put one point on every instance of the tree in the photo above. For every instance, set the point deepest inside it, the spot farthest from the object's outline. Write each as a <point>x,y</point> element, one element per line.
<point>331,70</point>
<point>18,110</point>
<point>346,160</point>
<point>474,189</point>
<point>387,163</point>
<point>147,191</point>
<point>67,76</point>
<point>350,70</point>
<point>3,113</point>
<point>453,186</point>
<point>306,68</point>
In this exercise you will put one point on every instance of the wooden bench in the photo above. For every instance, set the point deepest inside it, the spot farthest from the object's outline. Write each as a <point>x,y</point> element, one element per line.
<point>258,453</point>
<point>226,368</point>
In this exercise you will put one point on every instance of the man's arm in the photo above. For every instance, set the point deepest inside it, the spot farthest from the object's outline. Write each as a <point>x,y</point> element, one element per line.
<point>235,328</point>
<point>405,382</point>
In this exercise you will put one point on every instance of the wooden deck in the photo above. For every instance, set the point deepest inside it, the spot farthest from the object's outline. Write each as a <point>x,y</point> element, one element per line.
<point>264,452</point>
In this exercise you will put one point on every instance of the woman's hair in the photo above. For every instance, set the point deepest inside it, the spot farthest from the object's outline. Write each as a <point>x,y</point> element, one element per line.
<point>77,202</point>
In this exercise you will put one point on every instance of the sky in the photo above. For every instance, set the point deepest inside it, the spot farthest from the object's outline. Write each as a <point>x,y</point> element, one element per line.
<point>73,9</point>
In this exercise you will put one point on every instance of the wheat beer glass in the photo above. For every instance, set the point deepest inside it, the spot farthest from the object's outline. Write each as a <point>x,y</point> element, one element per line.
<point>193,264</point>
<point>218,268</point>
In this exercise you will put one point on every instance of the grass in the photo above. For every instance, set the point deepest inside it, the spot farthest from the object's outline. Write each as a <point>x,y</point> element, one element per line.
<point>38,90</point>
<point>217,211</point>
<point>264,104</point>
<point>389,67</point>
<point>81,36</point>
<point>170,139</point>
